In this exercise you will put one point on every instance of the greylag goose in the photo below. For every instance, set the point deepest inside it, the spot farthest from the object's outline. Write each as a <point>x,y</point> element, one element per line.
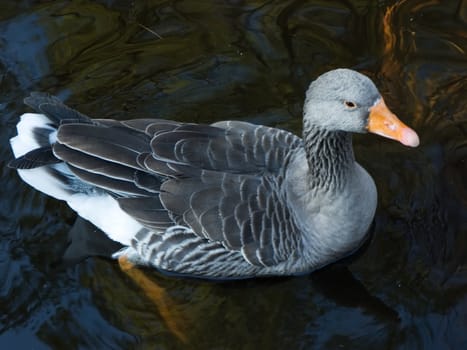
<point>226,200</point>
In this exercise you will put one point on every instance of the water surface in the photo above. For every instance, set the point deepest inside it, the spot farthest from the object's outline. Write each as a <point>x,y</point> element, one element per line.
<point>205,61</point>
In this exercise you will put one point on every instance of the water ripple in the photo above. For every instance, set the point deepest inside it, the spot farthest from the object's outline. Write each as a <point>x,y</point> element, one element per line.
<point>207,61</point>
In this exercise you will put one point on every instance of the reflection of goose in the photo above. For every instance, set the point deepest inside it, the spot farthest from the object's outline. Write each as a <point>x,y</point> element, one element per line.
<point>228,200</point>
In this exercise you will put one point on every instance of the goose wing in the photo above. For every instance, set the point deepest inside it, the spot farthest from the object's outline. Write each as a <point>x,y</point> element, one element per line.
<point>224,181</point>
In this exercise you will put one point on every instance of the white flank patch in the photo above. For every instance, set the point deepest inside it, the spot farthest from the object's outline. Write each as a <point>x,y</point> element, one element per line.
<point>24,142</point>
<point>102,210</point>
<point>42,181</point>
<point>105,213</point>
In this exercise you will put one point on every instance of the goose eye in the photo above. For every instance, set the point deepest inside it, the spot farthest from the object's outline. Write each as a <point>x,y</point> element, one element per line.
<point>350,104</point>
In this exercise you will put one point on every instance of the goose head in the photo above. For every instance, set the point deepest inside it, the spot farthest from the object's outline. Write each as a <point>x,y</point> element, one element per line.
<point>345,100</point>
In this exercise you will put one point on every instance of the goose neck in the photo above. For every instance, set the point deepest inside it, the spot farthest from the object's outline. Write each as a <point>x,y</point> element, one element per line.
<point>329,155</point>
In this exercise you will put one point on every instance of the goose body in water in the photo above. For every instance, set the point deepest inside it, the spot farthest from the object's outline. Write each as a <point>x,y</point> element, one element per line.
<point>227,200</point>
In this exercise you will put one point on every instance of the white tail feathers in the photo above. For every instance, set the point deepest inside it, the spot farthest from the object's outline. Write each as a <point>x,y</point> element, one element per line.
<point>58,181</point>
<point>26,141</point>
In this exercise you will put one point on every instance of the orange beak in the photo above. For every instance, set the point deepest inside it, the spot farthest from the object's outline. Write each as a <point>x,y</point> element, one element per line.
<point>383,122</point>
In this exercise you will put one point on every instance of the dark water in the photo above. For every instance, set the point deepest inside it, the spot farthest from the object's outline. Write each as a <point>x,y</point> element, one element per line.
<point>203,61</point>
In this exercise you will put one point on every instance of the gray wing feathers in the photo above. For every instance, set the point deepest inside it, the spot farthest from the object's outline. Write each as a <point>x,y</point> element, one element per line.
<point>105,142</point>
<point>112,185</point>
<point>179,250</point>
<point>149,182</point>
<point>35,158</point>
<point>54,108</point>
<point>247,149</point>
<point>265,146</point>
<point>93,164</point>
<point>221,182</point>
<point>147,210</point>
<point>243,212</point>
<point>151,126</point>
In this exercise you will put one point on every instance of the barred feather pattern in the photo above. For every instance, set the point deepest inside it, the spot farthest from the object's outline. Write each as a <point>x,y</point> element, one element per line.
<point>208,196</point>
<point>227,200</point>
<point>179,250</point>
<point>329,155</point>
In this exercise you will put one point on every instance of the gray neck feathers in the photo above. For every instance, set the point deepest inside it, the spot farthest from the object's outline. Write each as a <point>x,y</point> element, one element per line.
<point>329,154</point>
